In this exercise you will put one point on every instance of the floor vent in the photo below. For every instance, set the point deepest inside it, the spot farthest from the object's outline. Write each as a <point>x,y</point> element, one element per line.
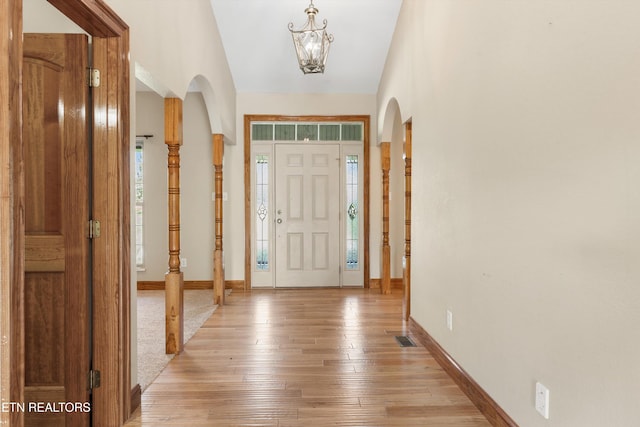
<point>405,341</point>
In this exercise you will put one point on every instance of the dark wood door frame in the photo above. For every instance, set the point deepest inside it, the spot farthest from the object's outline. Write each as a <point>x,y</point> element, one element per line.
<point>11,210</point>
<point>111,266</point>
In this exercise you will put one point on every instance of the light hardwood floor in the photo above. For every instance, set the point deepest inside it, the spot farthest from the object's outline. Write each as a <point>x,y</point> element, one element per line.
<point>304,357</point>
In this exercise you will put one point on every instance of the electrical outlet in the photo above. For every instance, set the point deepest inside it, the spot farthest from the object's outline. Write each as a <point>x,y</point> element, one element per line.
<point>449,320</point>
<point>183,262</point>
<point>542,400</point>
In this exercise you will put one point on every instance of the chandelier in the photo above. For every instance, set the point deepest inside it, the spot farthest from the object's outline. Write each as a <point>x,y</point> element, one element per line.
<point>311,43</point>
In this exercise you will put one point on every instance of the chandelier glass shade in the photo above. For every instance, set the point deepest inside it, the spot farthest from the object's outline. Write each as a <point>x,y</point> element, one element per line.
<point>311,43</point>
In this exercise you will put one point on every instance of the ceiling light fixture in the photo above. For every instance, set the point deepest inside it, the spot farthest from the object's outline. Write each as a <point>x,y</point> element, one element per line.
<point>311,43</point>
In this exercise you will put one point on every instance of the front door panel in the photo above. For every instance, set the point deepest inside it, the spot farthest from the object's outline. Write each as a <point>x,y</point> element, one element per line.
<point>307,215</point>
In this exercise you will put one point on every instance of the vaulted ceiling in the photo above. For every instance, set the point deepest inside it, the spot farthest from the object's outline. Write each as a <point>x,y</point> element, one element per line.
<point>262,58</point>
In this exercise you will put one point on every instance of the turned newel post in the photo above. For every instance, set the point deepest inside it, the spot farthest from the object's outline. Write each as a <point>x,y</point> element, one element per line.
<point>407,223</point>
<point>173,166</point>
<point>218,268</point>
<point>174,280</point>
<point>385,283</point>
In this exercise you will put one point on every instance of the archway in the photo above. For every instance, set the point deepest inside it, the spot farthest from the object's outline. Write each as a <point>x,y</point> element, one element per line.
<point>397,209</point>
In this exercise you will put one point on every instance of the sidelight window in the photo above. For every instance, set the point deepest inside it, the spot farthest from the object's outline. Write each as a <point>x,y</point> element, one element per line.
<point>139,208</point>
<point>262,212</point>
<point>352,213</point>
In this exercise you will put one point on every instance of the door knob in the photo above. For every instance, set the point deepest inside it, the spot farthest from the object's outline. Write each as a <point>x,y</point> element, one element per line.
<point>279,220</point>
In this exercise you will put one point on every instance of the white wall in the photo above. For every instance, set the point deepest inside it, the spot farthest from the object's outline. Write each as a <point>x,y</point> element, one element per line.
<point>196,187</point>
<point>290,104</point>
<point>526,196</point>
<point>173,45</point>
<point>40,17</point>
<point>196,190</point>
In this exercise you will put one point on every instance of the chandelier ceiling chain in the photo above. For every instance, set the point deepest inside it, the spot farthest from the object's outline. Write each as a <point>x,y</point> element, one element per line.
<point>311,43</point>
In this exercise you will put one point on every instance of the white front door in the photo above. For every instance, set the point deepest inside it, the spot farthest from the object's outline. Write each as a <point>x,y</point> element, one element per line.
<point>307,198</point>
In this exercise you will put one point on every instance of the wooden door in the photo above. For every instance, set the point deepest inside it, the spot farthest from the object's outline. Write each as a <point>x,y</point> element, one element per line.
<point>56,152</point>
<point>307,225</point>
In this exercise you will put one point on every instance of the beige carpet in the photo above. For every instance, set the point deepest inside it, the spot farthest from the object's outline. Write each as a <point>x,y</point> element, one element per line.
<point>198,307</point>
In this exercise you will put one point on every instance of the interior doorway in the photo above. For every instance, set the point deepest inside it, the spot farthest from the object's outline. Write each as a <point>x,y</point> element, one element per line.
<point>109,343</point>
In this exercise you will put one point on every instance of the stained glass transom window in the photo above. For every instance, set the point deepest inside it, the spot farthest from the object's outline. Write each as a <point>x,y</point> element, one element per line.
<point>351,132</point>
<point>330,132</point>
<point>307,131</point>
<point>284,132</point>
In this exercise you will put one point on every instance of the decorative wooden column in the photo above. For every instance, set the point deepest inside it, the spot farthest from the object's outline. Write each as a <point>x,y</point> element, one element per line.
<point>406,307</point>
<point>385,283</point>
<point>174,280</point>
<point>218,269</point>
